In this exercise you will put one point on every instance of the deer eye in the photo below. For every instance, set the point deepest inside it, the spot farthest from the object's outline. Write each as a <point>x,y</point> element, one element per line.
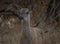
<point>26,12</point>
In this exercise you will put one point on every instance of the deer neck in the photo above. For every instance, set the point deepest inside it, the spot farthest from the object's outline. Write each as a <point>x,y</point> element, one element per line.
<point>27,23</point>
<point>26,30</point>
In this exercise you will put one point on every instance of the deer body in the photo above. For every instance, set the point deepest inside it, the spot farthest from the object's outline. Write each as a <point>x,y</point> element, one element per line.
<point>28,31</point>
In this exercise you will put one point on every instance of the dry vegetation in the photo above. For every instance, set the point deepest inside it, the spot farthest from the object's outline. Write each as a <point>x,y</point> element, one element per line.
<point>49,28</point>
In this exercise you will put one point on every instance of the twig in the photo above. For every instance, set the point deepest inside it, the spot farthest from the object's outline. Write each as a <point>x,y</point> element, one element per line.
<point>54,12</point>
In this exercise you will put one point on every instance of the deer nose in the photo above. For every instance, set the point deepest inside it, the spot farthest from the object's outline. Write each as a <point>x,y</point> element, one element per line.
<point>21,18</point>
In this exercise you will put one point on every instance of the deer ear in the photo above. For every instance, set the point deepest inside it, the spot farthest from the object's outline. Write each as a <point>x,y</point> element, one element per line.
<point>30,7</point>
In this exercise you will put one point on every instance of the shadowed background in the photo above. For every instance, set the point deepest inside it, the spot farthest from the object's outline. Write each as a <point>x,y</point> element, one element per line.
<point>50,27</point>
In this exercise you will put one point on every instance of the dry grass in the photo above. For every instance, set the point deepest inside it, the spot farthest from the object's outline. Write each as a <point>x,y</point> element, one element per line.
<point>48,33</point>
